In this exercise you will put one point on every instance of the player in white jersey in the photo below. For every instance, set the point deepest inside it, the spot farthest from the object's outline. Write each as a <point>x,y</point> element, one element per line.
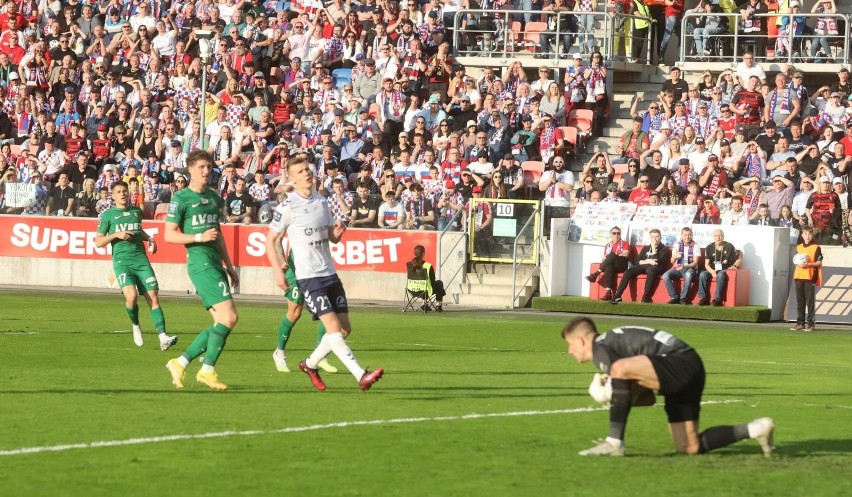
<point>307,221</point>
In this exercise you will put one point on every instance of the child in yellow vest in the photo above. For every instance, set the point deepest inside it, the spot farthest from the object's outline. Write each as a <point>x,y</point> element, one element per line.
<point>806,276</point>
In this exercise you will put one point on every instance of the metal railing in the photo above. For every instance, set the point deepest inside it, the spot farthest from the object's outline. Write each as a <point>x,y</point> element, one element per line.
<point>728,45</point>
<point>497,33</point>
<point>517,263</point>
<point>441,259</point>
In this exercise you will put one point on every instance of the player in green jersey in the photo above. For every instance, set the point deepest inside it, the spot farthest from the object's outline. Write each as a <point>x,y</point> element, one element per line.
<point>281,258</point>
<point>193,220</point>
<point>121,227</point>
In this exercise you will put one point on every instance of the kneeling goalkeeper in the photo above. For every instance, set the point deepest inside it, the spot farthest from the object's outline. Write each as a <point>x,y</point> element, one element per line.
<point>639,359</point>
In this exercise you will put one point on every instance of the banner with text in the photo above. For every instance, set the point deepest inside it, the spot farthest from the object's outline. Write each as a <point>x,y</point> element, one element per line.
<point>592,221</point>
<point>20,195</point>
<point>74,238</point>
<point>669,219</point>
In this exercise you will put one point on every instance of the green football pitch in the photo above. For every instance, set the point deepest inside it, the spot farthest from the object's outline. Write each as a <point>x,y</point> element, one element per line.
<point>471,404</point>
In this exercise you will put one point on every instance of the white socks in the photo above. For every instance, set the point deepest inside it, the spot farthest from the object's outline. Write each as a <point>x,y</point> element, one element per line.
<point>184,362</point>
<point>319,353</point>
<point>206,368</point>
<point>344,353</point>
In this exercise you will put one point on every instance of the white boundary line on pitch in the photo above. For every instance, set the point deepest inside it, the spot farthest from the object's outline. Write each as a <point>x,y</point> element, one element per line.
<point>300,429</point>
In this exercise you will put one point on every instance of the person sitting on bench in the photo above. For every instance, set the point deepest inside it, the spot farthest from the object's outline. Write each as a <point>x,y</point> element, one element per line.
<point>651,262</point>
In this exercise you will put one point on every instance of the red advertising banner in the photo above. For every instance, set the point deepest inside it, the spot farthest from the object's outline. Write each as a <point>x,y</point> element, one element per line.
<point>360,249</point>
<point>74,238</point>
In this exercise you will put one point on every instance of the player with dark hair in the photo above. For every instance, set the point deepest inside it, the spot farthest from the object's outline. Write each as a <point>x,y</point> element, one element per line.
<point>193,220</point>
<point>306,219</point>
<point>639,359</point>
<point>121,227</point>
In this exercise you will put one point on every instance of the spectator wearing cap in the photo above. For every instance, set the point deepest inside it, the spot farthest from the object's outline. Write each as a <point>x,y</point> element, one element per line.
<point>66,117</point>
<point>679,120</point>
<point>823,211</point>
<point>524,140</point>
<point>782,104</point>
<point>702,122</point>
<point>461,114</point>
<point>698,157</point>
<point>713,176</point>
<point>768,140</point>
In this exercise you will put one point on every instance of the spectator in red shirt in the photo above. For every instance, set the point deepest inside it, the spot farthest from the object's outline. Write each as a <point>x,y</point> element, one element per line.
<point>641,195</point>
<point>748,105</point>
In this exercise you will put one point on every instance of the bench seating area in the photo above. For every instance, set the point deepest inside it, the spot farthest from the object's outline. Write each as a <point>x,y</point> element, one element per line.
<point>736,293</point>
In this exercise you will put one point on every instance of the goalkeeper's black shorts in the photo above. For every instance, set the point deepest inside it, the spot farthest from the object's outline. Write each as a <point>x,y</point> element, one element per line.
<point>681,383</point>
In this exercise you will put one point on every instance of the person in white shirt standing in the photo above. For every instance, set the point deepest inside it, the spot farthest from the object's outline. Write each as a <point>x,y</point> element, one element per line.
<point>307,221</point>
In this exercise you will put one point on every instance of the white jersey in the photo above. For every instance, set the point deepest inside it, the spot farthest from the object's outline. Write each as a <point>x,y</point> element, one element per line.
<point>306,221</point>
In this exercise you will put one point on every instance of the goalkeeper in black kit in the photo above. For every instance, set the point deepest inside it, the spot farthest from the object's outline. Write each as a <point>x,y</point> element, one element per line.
<point>638,360</point>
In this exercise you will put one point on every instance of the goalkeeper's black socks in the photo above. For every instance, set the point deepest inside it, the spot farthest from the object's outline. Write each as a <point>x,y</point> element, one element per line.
<point>619,408</point>
<point>721,436</point>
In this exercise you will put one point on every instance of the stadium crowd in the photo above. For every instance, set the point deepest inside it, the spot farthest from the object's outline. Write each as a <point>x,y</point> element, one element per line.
<point>399,134</point>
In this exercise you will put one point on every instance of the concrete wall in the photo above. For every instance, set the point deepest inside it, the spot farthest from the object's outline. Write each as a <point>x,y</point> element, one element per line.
<point>257,280</point>
<point>766,255</point>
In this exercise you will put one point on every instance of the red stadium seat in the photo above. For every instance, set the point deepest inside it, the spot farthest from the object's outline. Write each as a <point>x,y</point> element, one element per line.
<point>532,35</point>
<point>531,179</point>
<point>160,212</point>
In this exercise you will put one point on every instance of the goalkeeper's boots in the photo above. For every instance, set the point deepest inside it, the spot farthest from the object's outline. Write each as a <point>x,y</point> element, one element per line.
<point>211,379</point>
<point>608,447</point>
<point>177,372</point>
<point>766,435</point>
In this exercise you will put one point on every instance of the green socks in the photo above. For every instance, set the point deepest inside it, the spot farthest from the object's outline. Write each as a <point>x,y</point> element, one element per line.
<point>133,314</point>
<point>215,343</point>
<point>284,330</point>
<point>320,332</point>
<point>159,319</point>
<point>198,346</point>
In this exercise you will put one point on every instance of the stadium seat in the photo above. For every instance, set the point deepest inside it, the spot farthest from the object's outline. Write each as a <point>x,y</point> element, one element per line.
<point>533,165</point>
<point>583,120</point>
<point>531,179</point>
<point>532,35</point>
<point>569,134</point>
<point>160,212</point>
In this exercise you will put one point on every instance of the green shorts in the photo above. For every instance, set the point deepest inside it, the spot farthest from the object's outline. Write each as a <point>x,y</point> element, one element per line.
<point>140,275</point>
<point>294,295</point>
<point>211,284</point>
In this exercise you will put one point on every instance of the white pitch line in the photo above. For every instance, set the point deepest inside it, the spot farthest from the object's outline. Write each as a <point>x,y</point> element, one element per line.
<point>300,429</point>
